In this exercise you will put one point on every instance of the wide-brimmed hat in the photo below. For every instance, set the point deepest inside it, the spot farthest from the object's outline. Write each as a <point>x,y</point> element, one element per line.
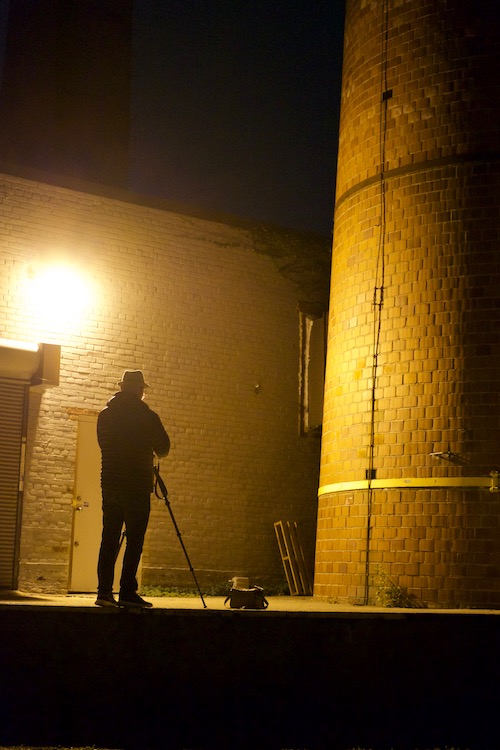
<point>133,377</point>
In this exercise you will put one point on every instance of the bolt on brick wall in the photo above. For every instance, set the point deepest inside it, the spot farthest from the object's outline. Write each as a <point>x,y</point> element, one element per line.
<point>413,369</point>
<point>189,301</point>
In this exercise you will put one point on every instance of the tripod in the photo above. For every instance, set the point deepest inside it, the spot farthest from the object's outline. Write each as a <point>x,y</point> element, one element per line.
<point>161,484</point>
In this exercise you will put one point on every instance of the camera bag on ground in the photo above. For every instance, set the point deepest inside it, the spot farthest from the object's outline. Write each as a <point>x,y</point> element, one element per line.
<point>252,598</point>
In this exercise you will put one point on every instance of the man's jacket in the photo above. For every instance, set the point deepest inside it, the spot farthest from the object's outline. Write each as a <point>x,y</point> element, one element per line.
<point>129,433</point>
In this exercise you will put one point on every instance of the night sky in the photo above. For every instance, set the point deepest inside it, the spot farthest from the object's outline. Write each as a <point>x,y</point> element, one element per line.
<point>236,104</point>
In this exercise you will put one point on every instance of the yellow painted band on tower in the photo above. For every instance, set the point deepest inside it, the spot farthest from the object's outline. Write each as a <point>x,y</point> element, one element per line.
<point>408,483</point>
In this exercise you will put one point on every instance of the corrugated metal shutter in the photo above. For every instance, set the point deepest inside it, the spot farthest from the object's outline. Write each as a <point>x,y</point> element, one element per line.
<point>12,401</point>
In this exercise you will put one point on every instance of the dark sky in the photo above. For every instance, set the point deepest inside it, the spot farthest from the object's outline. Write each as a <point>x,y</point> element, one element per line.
<point>236,104</point>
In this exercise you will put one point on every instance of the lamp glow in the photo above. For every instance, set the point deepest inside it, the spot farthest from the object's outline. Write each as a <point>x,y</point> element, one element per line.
<point>59,297</point>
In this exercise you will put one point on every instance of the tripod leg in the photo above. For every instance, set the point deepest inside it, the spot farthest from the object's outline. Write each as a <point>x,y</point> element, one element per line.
<point>185,552</point>
<point>120,545</point>
<point>164,492</point>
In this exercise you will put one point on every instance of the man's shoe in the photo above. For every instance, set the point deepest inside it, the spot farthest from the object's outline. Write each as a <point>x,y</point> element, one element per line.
<point>106,600</point>
<point>133,600</point>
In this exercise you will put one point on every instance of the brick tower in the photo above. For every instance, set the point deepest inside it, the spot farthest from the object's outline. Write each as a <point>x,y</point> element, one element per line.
<point>411,427</point>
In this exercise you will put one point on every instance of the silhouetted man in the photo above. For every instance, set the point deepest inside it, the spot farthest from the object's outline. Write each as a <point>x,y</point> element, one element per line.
<point>129,435</point>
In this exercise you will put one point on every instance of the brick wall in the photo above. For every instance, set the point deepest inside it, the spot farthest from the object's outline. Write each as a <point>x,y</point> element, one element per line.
<point>191,302</point>
<point>414,334</point>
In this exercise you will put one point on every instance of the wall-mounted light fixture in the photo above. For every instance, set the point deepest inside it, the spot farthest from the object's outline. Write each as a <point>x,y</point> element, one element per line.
<point>446,455</point>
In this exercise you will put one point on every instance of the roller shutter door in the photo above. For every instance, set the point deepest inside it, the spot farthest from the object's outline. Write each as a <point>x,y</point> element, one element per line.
<point>12,407</point>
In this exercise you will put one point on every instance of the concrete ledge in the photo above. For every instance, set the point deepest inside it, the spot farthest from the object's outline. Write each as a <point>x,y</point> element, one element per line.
<point>195,678</point>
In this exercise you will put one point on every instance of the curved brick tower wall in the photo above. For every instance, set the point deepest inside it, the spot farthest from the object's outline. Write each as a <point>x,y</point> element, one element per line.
<point>411,427</point>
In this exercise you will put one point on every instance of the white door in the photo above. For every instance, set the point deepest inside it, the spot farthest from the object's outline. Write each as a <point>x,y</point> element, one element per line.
<point>87,513</point>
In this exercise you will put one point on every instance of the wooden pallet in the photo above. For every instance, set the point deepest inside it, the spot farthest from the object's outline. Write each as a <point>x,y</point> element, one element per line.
<point>292,556</point>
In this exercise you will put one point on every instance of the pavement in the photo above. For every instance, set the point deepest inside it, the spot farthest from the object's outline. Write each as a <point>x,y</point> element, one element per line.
<point>290,604</point>
<point>276,603</point>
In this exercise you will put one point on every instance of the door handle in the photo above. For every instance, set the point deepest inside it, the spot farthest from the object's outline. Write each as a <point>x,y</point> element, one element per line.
<point>75,504</point>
